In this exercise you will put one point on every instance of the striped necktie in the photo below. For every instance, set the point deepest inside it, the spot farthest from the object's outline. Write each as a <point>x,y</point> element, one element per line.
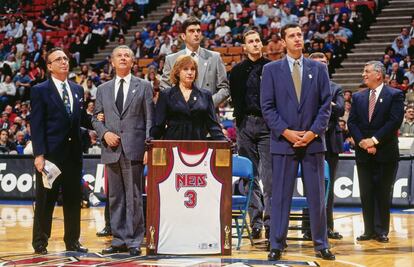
<point>372,100</point>
<point>66,100</point>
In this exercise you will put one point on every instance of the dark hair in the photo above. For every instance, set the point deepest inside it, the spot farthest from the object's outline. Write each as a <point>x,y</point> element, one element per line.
<point>188,22</point>
<point>51,51</point>
<point>250,32</point>
<point>287,26</point>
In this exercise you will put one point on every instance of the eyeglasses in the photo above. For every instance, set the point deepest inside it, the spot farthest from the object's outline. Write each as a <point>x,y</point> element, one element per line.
<point>59,60</point>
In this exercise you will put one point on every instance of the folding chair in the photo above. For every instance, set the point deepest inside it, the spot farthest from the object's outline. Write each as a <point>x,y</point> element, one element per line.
<point>242,167</point>
<point>301,203</point>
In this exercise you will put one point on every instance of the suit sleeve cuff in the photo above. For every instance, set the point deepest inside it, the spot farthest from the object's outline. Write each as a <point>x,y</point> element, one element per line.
<point>375,140</point>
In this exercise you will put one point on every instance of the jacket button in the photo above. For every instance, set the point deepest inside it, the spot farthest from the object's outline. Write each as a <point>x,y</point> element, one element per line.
<point>69,139</point>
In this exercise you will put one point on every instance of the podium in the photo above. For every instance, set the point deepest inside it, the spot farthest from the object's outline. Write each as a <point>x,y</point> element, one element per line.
<point>189,198</point>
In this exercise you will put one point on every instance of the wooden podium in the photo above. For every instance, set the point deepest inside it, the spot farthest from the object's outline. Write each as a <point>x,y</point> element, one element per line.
<point>189,198</point>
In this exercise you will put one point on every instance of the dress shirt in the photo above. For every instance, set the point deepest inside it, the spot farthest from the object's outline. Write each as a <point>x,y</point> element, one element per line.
<point>58,84</point>
<point>127,82</point>
<point>292,60</point>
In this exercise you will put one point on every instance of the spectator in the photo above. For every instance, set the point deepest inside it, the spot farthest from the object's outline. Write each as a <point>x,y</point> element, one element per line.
<point>7,91</point>
<point>22,82</point>
<point>4,121</point>
<point>6,147</point>
<point>348,95</point>
<point>222,29</point>
<point>399,48</point>
<point>407,126</point>
<point>20,142</point>
<point>270,10</point>
<point>410,75</point>
<point>396,73</point>
<point>275,47</point>
<point>179,16</point>
<point>260,19</point>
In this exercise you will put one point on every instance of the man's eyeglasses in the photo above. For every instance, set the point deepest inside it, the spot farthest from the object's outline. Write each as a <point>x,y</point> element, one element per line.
<point>59,60</point>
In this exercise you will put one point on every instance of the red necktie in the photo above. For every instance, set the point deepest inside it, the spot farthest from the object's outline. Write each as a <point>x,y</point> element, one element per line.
<point>372,100</point>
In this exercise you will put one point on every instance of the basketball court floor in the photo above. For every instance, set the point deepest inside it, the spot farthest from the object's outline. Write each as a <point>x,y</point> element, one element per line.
<point>16,231</point>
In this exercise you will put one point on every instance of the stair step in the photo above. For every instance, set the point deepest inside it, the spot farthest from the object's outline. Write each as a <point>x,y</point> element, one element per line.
<point>350,86</point>
<point>348,74</point>
<point>367,45</point>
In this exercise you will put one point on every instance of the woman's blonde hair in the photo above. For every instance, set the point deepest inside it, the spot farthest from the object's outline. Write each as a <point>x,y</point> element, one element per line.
<point>181,62</point>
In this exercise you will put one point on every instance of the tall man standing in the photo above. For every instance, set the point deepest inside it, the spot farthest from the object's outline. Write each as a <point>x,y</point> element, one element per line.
<point>334,143</point>
<point>211,70</point>
<point>295,101</point>
<point>126,102</point>
<point>55,122</point>
<point>375,117</point>
<point>253,135</point>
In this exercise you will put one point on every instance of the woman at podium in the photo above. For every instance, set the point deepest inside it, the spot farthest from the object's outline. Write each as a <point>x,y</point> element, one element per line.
<point>185,112</point>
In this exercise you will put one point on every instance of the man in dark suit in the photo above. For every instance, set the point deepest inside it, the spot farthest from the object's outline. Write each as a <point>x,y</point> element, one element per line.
<point>126,102</point>
<point>253,135</point>
<point>295,102</point>
<point>334,144</point>
<point>55,122</point>
<point>375,117</point>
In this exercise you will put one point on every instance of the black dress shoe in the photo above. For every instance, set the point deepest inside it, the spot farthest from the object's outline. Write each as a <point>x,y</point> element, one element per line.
<point>382,238</point>
<point>41,250</point>
<point>112,250</point>
<point>134,251</point>
<point>274,255</point>
<point>76,247</point>
<point>325,254</point>
<point>365,237</point>
<point>256,233</point>
<point>104,232</point>
<point>307,236</point>
<point>334,235</point>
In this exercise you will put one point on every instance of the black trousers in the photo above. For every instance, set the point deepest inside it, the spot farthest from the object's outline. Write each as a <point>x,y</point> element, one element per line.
<point>69,184</point>
<point>376,181</point>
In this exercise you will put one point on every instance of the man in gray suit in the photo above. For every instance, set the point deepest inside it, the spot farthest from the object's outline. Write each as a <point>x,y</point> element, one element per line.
<point>212,74</point>
<point>126,102</point>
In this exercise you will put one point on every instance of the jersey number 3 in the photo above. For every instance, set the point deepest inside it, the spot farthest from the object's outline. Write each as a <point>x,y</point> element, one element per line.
<point>191,196</point>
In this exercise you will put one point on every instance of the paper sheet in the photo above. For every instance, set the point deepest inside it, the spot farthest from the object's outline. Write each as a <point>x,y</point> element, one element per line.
<point>49,174</point>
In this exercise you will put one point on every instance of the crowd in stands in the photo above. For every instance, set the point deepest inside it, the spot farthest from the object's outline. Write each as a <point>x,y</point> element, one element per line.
<point>82,27</point>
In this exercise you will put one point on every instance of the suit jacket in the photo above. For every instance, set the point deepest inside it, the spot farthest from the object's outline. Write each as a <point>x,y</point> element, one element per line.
<point>212,74</point>
<point>132,125</point>
<point>190,120</point>
<point>281,109</point>
<point>53,129</point>
<point>334,139</point>
<point>385,122</point>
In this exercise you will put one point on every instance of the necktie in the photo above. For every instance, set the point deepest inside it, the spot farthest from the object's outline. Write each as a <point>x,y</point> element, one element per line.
<point>65,97</point>
<point>296,79</point>
<point>372,100</point>
<point>120,97</point>
<point>193,54</point>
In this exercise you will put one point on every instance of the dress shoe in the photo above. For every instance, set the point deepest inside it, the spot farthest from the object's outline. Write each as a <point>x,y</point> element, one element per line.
<point>104,232</point>
<point>76,247</point>
<point>112,250</point>
<point>256,233</point>
<point>134,251</point>
<point>307,236</point>
<point>365,237</point>
<point>382,238</point>
<point>325,254</point>
<point>334,235</point>
<point>274,255</point>
<point>41,250</point>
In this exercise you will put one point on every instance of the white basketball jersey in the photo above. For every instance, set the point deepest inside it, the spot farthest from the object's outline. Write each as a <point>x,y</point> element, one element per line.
<point>190,206</point>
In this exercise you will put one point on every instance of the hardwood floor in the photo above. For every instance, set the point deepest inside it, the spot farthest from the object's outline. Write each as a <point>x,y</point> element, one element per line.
<point>16,232</point>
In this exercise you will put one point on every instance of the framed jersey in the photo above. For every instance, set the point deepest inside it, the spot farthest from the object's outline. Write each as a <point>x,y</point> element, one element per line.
<point>189,198</point>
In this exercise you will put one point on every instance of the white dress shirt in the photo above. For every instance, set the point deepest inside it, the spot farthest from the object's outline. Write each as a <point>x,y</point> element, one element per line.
<point>58,84</point>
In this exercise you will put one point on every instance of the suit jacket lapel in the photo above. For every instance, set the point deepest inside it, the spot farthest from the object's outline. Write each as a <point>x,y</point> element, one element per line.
<point>111,86</point>
<point>132,91</point>
<point>203,64</point>
<point>306,81</point>
<point>285,71</point>
<point>55,96</point>
<point>365,104</point>
<point>378,104</point>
